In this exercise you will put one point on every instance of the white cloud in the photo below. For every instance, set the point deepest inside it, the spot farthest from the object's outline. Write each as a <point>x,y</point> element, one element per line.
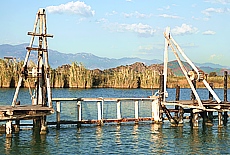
<point>219,1</point>
<point>215,10</point>
<point>79,8</point>
<point>142,30</point>
<point>145,48</point>
<point>111,13</point>
<point>167,7</point>
<point>136,14</point>
<point>184,29</point>
<point>209,32</point>
<point>215,57</point>
<point>169,16</point>
<point>212,56</point>
<point>102,20</point>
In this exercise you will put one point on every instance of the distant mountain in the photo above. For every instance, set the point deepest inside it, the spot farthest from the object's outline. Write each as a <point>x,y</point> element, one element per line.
<point>91,61</point>
<point>56,58</point>
<point>211,65</point>
<point>206,67</point>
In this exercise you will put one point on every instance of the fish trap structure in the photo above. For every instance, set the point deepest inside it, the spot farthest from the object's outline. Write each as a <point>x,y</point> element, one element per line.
<point>195,106</point>
<point>155,106</point>
<point>41,100</point>
<point>158,104</point>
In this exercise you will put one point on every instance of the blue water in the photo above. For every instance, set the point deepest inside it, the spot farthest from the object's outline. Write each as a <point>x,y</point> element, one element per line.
<point>127,138</point>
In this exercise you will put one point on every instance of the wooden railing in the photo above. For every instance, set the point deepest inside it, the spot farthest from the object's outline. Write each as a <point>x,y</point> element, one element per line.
<point>100,103</point>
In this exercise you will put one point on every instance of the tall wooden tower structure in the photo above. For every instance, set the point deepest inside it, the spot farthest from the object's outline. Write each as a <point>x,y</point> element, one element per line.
<point>41,72</point>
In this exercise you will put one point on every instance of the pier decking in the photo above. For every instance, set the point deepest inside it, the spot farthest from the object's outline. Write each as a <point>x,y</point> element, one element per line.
<point>22,112</point>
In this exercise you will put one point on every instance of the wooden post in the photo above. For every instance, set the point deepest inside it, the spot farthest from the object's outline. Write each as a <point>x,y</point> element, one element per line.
<point>9,128</point>
<point>192,98</point>
<point>153,106</point>
<point>37,123</point>
<point>118,110</point>
<point>225,95</point>
<point>165,71</point>
<point>161,96</point>
<point>195,120</point>
<point>161,87</point>
<point>58,112</point>
<point>156,111</point>
<point>177,99</point>
<point>192,94</point>
<point>43,125</point>
<point>220,121</point>
<point>204,117</point>
<point>181,116</point>
<point>210,113</point>
<point>99,112</point>
<point>136,111</point>
<point>79,113</point>
<point>17,125</point>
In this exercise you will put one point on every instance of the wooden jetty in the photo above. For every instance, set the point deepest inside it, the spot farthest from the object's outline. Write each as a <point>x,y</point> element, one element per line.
<point>42,101</point>
<point>159,106</point>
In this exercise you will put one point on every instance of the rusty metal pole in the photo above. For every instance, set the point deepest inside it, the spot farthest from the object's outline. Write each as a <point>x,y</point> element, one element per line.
<point>225,95</point>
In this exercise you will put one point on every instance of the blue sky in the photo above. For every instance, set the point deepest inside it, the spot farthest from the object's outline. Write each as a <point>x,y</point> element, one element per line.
<point>124,28</point>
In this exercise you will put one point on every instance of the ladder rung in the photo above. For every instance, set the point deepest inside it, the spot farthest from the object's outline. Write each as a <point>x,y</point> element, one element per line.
<point>36,49</point>
<point>37,34</point>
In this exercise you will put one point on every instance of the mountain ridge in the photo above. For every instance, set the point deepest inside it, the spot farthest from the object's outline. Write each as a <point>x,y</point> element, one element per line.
<point>92,61</point>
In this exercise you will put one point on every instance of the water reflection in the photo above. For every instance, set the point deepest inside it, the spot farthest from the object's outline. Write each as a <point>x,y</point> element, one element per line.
<point>78,135</point>
<point>99,136</point>
<point>118,135</point>
<point>135,136</point>
<point>156,138</point>
<point>57,136</point>
<point>8,144</point>
<point>38,142</point>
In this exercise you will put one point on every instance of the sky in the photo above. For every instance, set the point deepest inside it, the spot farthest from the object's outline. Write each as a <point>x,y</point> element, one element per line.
<point>124,28</point>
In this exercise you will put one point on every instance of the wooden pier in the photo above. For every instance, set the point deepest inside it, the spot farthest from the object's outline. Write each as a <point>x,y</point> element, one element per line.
<point>157,106</point>
<point>158,113</point>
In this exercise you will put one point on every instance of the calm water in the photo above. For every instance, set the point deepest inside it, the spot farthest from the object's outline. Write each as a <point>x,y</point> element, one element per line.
<point>144,138</point>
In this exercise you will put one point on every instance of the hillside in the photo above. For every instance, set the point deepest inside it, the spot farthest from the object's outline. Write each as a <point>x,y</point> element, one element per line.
<point>91,61</point>
<point>56,58</point>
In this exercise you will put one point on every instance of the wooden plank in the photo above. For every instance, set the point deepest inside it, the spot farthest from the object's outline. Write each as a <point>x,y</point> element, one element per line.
<point>38,34</point>
<point>102,99</point>
<point>104,121</point>
<point>24,107</point>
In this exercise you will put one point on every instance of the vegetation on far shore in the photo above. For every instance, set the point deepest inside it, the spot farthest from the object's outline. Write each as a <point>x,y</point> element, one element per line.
<point>76,75</point>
